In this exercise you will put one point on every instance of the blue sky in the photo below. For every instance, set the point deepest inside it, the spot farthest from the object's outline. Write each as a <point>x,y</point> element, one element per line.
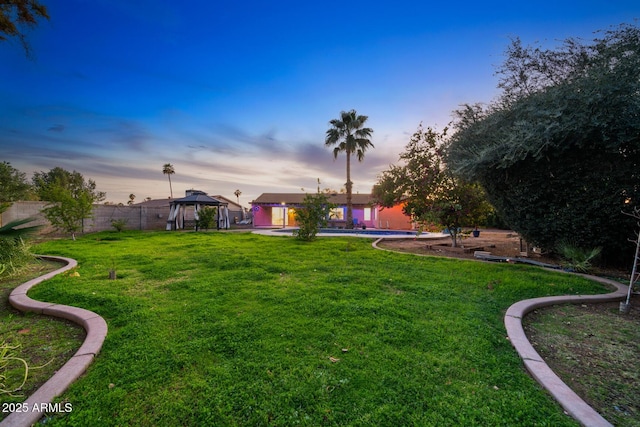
<point>238,95</point>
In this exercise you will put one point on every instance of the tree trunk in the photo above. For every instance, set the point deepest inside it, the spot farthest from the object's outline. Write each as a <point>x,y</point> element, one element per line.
<point>454,237</point>
<point>349,223</point>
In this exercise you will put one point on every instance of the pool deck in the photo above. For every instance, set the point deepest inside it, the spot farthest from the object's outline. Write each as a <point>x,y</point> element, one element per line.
<point>368,233</point>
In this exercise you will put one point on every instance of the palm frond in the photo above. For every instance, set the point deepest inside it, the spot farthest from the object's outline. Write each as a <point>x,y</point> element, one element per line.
<point>11,230</point>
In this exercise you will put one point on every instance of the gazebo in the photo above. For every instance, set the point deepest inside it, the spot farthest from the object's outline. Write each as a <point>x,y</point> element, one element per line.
<point>179,213</point>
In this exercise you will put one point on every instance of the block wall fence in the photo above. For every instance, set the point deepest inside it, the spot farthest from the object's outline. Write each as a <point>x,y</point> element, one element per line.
<point>137,217</point>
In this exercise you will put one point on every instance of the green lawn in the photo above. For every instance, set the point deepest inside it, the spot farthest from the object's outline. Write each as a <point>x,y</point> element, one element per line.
<point>241,329</point>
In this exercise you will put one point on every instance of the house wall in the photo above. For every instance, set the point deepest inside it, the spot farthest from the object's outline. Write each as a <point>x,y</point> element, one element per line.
<point>263,216</point>
<point>137,217</point>
<point>394,219</point>
<point>358,216</point>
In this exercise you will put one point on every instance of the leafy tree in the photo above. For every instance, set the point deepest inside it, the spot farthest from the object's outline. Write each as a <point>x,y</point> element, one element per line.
<point>13,186</point>
<point>71,198</point>
<point>168,170</point>
<point>132,198</point>
<point>15,14</point>
<point>559,152</point>
<point>427,189</point>
<point>349,136</point>
<point>312,215</point>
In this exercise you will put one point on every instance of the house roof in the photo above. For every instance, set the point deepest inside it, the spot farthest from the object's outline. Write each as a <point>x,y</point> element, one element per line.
<point>232,205</point>
<point>155,203</point>
<point>298,199</point>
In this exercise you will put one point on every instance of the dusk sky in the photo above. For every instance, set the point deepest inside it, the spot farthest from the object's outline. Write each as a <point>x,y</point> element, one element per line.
<point>238,94</point>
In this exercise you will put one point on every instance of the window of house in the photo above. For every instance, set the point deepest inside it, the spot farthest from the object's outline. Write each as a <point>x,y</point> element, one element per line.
<point>336,213</point>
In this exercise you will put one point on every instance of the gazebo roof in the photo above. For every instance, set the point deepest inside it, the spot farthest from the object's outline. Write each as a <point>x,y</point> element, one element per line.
<point>199,199</point>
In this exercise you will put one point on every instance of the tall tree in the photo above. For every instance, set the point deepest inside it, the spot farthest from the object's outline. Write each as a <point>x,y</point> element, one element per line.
<point>15,14</point>
<point>71,198</point>
<point>168,170</point>
<point>559,153</point>
<point>349,135</point>
<point>237,193</point>
<point>427,190</point>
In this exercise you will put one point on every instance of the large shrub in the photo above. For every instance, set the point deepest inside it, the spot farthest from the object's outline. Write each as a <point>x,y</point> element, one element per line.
<point>559,153</point>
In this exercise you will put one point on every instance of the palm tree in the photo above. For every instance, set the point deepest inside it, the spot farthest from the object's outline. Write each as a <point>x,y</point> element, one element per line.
<point>168,170</point>
<point>237,193</point>
<point>348,134</point>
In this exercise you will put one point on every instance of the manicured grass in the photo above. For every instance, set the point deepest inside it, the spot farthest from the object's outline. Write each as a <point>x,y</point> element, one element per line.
<point>241,329</point>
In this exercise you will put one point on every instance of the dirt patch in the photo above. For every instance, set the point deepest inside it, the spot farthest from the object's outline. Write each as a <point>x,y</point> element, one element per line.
<point>592,347</point>
<point>497,242</point>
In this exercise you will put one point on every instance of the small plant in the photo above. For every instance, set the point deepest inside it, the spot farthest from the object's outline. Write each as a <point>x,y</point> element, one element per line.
<point>112,270</point>
<point>578,259</point>
<point>119,224</point>
<point>312,215</point>
<point>206,217</point>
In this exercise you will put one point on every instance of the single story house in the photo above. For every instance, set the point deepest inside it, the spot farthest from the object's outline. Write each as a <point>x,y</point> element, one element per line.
<point>278,210</point>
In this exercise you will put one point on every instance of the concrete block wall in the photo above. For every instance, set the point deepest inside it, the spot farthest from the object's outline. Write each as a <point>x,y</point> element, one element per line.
<point>137,217</point>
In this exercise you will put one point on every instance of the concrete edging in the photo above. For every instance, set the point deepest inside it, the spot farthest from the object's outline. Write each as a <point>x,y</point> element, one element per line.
<point>94,325</point>
<point>535,364</point>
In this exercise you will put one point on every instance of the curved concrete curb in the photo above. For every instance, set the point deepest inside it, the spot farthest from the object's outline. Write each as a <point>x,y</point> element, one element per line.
<point>535,364</point>
<point>94,325</point>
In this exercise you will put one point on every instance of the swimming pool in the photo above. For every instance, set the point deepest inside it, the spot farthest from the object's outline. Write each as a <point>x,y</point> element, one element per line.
<point>373,232</point>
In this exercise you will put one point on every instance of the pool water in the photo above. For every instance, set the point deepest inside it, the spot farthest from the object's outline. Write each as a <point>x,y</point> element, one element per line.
<point>372,232</point>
